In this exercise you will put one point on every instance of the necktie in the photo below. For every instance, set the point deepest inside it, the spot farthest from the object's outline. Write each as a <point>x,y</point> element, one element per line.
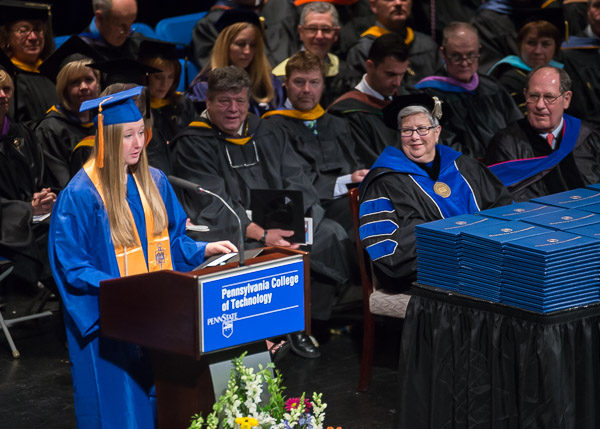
<point>550,140</point>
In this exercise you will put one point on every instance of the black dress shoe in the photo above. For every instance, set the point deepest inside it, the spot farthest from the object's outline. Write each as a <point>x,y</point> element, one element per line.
<point>303,346</point>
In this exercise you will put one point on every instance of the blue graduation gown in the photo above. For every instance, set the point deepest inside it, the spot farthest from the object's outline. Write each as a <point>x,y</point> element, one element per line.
<point>111,379</point>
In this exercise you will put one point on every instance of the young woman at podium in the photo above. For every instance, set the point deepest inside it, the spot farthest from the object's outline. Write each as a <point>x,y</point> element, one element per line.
<point>116,217</point>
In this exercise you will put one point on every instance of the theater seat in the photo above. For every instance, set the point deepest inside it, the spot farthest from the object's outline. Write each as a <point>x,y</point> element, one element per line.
<point>145,29</point>
<point>375,301</point>
<point>178,29</point>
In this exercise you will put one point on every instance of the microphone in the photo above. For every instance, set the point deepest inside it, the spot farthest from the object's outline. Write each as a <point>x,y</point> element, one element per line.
<point>192,187</point>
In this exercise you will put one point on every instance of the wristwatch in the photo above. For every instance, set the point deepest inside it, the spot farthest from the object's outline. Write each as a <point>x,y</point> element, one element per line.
<point>263,239</point>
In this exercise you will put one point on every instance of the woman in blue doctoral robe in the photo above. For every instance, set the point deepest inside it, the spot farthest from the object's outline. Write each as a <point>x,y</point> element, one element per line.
<point>112,380</point>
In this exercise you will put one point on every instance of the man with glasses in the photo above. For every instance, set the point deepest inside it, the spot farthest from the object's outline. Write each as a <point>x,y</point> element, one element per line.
<point>477,107</point>
<point>110,31</point>
<point>391,17</point>
<point>229,152</point>
<point>549,151</point>
<point>318,30</point>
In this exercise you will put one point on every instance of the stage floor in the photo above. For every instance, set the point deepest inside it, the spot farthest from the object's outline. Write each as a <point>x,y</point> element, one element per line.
<point>36,392</point>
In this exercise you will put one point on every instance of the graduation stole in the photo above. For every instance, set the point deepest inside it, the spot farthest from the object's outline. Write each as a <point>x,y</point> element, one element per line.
<point>516,170</point>
<point>240,141</point>
<point>448,84</point>
<point>517,62</point>
<point>377,31</point>
<point>56,108</point>
<point>27,67</point>
<point>157,103</point>
<point>308,115</point>
<point>451,193</point>
<point>131,260</point>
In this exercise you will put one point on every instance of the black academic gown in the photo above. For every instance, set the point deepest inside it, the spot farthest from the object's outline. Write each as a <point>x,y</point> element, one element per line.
<point>21,175</point>
<point>411,207</point>
<point>201,155</point>
<point>424,57</point>
<point>513,80</point>
<point>580,168</point>
<point>583,66</point>
<point>370,133</point>
<point>129,49</point>
<point>173,117</point>
<point>471,119</point>
<point>58,134</point>
<point>497,35</point>
<point>35,95</point>
<point>325,156</point>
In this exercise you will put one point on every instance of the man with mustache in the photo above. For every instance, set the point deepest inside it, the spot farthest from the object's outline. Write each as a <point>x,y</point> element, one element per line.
<point>391,17</point>
<point>548,151</point>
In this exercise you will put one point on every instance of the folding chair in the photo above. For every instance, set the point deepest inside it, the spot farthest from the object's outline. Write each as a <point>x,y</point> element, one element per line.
<point>178,29</point>
<point>5,323</point>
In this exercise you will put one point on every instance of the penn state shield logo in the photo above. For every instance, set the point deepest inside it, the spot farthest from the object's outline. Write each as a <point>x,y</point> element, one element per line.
<point>159,255</point>
<point>227,328</point>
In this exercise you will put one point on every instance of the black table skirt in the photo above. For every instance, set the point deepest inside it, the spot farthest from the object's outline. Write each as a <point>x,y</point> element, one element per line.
<point>466,363</point>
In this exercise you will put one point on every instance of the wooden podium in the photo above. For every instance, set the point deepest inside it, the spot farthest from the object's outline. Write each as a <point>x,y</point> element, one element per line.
<point>163,312</point>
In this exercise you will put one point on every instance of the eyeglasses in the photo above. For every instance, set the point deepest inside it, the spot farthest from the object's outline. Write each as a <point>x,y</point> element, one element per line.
<point>326,31</point>
<point>257,160</point>
<point>24,31</point>
<point>421,131</point>
<point>457,59</point>
<point>549,99</point>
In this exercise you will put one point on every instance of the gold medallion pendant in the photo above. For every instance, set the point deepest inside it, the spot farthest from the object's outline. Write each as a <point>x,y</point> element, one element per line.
<point>442,189</point>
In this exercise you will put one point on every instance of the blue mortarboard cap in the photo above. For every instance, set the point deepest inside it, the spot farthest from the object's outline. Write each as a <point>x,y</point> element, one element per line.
<point>117,108</point>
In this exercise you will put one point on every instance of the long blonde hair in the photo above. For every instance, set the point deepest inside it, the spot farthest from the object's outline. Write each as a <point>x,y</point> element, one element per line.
<point>113,180</point>
<point>259,69</point>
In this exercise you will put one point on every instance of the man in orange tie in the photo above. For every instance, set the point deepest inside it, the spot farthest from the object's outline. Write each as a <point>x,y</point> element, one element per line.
<point>548,151</point>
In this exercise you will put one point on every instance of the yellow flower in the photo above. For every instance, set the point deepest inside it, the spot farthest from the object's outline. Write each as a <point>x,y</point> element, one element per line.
<point>246,422</point>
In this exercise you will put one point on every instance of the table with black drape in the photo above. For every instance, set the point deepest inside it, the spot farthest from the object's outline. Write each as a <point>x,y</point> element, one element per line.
<point>468,363</point>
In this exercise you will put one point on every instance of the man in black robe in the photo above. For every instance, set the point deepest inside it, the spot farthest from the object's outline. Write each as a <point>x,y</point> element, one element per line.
<point>386,66</point>
<point>229,152</point>
<point>110,31</point>
<point>475,106</point>
<point>417,182</point>
<point>581,56</point>
<point>323,141</point>
<point>549,150</point>
<point>318,30</point>
<point>391,17</point>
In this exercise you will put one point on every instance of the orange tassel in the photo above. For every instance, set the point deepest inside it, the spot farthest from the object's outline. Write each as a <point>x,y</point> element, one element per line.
<point>100,156</point>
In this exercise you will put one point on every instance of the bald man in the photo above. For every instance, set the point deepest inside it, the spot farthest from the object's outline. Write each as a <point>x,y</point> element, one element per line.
<point>110,31</point>
<point>565,149</point>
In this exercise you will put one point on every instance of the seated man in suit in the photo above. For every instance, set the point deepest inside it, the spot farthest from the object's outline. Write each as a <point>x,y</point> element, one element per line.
<point>229,152</point>
<point>548,151</point>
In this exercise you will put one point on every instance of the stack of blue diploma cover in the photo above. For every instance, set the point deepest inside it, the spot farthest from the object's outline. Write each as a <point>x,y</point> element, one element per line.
<point>551,272</point>
<point>541,256</point>
<point>439,248</point>
<point>481,268</point>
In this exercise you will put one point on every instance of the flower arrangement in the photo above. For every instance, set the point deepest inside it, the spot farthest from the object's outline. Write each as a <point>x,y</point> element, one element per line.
<point>242,407</point>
